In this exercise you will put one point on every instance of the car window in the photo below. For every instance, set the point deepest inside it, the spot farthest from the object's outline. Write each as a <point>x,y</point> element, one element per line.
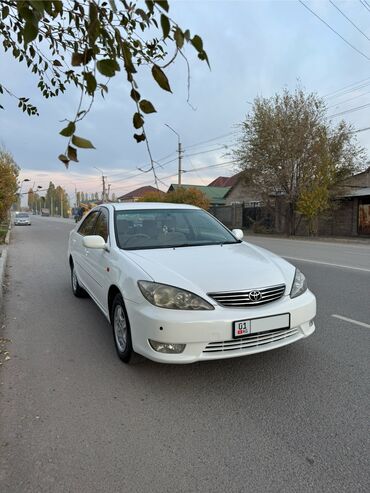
<point>101,225</point>
<point>167,228</point>
<point>87,227</point>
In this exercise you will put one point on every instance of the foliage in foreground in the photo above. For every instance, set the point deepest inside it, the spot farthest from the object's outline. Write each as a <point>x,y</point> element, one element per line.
<point>8,183</point>
<point>86,43</point>
<point>190,196</point>
<point>291,152</point>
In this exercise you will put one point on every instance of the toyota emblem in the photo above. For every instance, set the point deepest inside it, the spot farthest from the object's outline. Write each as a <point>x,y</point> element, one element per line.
<point>255,296</point>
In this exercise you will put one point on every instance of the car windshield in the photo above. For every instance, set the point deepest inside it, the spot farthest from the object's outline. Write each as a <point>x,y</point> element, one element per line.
<point>168,228</point>
<point>22,214</point>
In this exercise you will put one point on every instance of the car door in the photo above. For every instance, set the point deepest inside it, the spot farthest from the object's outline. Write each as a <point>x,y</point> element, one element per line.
<point>80,253</point>
<point>99,260</point>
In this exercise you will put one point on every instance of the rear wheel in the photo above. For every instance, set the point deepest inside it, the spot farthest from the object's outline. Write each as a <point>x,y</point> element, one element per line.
<point>76,288</point>
<point>121,329</point>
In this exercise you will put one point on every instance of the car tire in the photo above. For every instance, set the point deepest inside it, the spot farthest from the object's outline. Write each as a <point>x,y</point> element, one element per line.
<point>121,329</point>
<point>76,288</point>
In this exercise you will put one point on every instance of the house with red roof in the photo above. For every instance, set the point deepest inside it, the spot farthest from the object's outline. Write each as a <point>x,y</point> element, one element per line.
<point>239,191</point>
<point>137,194</point>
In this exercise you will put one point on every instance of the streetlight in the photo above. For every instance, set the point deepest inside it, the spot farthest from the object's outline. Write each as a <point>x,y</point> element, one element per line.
<point>20,191</point>
<point>179,152</point>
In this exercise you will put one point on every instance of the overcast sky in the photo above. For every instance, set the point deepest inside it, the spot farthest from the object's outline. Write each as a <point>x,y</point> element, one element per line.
<point>254,47</point>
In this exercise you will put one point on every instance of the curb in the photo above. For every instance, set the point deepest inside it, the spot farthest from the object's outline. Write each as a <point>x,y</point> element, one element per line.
<point>7,237</point>
<point>3,258</point>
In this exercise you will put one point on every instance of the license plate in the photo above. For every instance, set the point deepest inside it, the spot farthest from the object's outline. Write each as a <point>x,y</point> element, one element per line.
<point>242,328</point>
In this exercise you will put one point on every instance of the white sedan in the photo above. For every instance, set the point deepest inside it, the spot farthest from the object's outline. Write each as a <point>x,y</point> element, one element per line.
<point>179,287</point>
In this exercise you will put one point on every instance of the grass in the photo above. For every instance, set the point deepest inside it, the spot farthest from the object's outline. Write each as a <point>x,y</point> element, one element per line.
<point>3,232</point>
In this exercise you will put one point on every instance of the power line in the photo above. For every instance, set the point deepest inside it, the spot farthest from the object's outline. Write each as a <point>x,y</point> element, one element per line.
<point>334,31</point>
<point>146,164</point>
<point>349,20</point>
<point>351,110</point>
<point>346,100</point>
<point>361,130</point>
<point>210,140</point>
<point>366,5</point>
<point>334,94</point>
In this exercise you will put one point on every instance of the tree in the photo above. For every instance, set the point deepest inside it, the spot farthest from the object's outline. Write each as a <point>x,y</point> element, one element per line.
<point>182,195</point>
<point>86,44</point>
<point>8,183</point>
<point>290,151</point>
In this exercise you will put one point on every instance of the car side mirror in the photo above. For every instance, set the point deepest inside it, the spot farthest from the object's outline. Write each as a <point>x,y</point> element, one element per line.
<point>94,241</point>
<point>238,233</point>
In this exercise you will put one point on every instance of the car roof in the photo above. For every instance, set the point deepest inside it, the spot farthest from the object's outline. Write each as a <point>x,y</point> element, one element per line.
<point>129,206</point>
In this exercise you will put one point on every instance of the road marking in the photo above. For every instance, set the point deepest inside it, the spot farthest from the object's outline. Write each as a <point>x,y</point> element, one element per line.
<point>356,322</point>
<point>327,263</point>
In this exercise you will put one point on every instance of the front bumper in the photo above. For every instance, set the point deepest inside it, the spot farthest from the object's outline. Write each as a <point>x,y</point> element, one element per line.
<point>208,334</point>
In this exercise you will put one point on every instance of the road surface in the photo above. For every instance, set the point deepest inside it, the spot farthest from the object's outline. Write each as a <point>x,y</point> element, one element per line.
<point>75,419</point>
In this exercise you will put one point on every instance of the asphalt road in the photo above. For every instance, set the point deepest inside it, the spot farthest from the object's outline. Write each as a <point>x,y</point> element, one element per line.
<point>75,419</point>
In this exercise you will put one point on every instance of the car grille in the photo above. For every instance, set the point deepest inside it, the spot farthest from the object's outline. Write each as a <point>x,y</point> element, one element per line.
<point>250,341</point>
<point>249,297</point>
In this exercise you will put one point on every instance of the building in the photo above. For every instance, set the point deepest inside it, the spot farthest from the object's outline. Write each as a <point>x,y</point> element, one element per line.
<point>137,194</point>
<point>215,195</point>
<point>239,192</point>
<point>354,202</point>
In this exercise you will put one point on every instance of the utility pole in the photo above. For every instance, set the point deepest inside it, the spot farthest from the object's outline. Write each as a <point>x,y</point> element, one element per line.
<point>180,152</point>
<point>109,185</point>
<point>104,196</point>
<point>104,192</point>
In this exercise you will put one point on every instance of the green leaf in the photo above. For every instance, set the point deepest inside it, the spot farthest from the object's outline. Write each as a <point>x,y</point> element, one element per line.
<point>108,67</point>
<point>203,56</point>
<point>161,78</point>
<point>30,32</point>
<point>187,35</point>
<point>129,66</point>
<point>72,154</point>
<point>179,38</point>
<point>142,14</point>
<point>68,130</point>
<point>138,120</point>
<point>197,43</point>
<point>163,4</point>
<point>5,12</point>
<point>77,59</point>
<point>146,106</point>
<point>135,95</point>
<point>90,82</point>
<point>166,26</point>
<point>83,143</point>
<point>139,137</point>
<point>64,159</point>
<point>150,5</point>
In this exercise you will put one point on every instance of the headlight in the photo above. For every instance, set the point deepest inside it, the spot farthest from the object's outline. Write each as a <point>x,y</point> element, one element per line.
<point>299,284</point>
<point>166,296</point>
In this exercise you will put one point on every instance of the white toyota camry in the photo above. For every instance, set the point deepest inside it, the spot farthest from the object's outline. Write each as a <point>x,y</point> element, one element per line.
<point>177,286</point>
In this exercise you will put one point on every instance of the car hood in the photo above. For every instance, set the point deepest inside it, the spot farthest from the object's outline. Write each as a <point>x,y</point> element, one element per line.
<point>214,268</point>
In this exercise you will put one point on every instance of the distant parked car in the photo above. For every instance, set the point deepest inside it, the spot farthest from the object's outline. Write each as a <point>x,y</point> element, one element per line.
<point>22,219</point>
<point>178,286</point>
<point>45,212</point>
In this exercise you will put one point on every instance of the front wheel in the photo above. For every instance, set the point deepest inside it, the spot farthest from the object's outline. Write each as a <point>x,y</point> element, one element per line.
<point>76,288</point>
<point>121,329</point>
